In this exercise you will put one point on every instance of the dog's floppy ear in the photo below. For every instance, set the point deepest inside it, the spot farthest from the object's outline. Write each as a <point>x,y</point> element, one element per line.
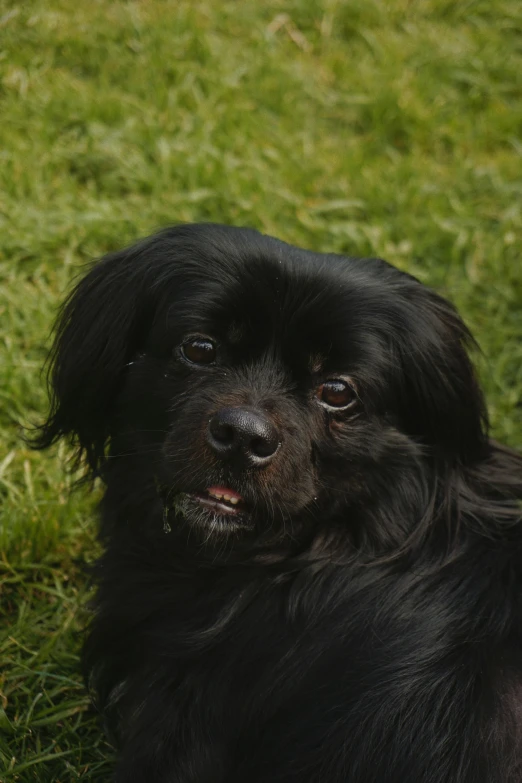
<point>96,334</point>
<point>442,395</point>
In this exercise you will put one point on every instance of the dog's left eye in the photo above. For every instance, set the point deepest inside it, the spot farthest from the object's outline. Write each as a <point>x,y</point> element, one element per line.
<point>199,350</point>
<point>336,393</point>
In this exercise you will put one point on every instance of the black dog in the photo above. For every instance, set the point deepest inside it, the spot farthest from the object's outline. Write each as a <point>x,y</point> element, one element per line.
<point>313,551</point>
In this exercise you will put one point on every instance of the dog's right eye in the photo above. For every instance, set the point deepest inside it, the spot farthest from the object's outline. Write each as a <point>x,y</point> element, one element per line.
<point>199,350</point>
<point>336,394</point>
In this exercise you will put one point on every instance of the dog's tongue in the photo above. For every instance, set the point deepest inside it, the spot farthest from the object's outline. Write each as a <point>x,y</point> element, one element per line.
<point>224,492</point>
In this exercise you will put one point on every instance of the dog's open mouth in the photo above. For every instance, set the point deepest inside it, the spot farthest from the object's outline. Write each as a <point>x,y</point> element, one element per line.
<point>220,499</point>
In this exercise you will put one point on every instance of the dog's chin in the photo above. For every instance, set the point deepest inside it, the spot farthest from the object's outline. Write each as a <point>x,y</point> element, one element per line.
<point>214,512</point>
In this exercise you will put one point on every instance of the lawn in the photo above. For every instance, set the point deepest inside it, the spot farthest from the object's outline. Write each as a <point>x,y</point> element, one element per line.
<point>356,126</point>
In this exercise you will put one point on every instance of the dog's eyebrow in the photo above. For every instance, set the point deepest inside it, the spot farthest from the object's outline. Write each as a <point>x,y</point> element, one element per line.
<point>315,362</point>
<point>235,332</point>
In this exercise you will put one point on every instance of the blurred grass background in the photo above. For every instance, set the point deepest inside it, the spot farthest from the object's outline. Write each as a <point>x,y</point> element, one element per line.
<point>361,127</point>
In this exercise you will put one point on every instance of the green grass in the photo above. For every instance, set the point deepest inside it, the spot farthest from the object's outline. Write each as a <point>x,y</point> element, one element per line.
<point>364,127</point>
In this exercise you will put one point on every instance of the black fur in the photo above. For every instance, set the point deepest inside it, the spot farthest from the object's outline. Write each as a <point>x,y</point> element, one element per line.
<point>361,621</point>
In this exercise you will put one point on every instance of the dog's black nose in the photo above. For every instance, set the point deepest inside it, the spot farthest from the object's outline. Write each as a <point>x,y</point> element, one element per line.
<point>243,433</point>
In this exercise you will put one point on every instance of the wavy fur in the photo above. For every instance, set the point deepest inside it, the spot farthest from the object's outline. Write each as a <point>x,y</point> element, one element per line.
<point>365,624</point>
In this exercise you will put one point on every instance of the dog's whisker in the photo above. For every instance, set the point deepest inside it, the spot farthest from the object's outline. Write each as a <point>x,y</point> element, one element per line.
<point>138,453</point>
<point>142,431</point>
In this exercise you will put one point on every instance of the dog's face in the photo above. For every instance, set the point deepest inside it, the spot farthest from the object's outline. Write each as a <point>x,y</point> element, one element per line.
<point>264,389</point>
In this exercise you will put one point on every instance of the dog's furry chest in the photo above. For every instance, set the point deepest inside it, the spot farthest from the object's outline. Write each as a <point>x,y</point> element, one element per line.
<point>281,666</point>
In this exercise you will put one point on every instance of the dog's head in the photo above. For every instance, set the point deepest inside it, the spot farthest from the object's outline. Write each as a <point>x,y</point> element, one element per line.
<point>260,388</point>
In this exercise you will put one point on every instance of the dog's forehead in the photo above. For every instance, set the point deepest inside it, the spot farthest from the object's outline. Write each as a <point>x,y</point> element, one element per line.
<point>312,307</point>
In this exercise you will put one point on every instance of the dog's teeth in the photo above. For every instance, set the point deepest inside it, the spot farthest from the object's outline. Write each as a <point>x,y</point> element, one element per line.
<point>223,496</point>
